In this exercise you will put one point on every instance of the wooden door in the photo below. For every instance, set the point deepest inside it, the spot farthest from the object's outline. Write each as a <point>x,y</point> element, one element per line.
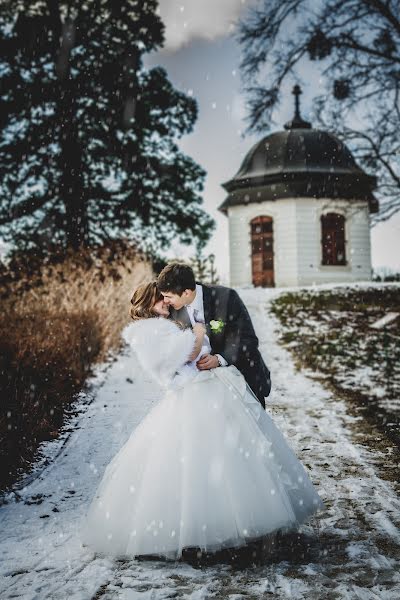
<point>262,251</point>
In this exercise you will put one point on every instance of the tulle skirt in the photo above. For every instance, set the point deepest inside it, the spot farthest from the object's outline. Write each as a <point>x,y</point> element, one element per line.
<point>207,468</point>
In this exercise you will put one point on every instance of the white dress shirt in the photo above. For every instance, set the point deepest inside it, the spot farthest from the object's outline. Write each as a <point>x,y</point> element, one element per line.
<point>198,305</point>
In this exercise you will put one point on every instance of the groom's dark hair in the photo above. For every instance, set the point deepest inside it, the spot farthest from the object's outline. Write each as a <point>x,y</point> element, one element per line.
<point>176,278</point>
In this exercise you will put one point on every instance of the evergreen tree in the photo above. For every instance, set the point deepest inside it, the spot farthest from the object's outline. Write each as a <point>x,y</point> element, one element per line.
<point>204,267</point>
<point>88,137</point>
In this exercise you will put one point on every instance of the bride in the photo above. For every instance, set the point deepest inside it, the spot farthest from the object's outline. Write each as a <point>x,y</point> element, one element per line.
<point>207,468</point>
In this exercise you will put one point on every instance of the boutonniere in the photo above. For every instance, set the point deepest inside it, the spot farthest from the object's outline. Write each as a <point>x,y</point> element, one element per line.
<point>217,326</point>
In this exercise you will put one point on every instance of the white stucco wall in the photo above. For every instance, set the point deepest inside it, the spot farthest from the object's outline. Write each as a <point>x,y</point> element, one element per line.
<point>357,236</point>
<point>297,241</point>
<point>285,240</point>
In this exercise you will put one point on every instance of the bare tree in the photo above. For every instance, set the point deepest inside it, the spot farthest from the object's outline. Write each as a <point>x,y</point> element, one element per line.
<point>357,45</point>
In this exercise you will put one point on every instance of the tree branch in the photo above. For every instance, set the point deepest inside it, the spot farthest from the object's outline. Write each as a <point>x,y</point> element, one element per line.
<point>22,209</point>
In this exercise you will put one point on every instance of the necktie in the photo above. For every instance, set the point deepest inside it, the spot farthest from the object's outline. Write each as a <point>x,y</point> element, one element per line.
<point>190,313</point>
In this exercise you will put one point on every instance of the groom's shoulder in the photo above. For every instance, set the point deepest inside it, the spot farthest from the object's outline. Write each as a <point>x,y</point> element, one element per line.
<point>216,287</point>
<point>220,290</point>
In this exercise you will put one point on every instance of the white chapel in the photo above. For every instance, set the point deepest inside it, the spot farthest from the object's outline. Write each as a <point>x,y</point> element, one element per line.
<point>299,210</point>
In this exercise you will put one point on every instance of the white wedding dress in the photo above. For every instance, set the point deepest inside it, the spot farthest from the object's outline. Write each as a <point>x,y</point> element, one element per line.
<point>206,468</point>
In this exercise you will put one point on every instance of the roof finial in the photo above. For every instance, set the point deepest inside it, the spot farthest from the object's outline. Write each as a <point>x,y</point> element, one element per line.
<point>296,92</point>
<point>297,122</point>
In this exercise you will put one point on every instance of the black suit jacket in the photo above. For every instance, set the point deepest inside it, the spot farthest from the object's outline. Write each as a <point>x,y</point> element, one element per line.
<point>237,342</point>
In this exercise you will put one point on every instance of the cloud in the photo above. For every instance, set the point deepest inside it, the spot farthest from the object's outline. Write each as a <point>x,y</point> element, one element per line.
<point>186,20</point>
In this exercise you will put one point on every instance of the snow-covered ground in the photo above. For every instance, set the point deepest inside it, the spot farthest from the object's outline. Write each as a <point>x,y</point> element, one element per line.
<point>350,335</point>
<point>351,552</point>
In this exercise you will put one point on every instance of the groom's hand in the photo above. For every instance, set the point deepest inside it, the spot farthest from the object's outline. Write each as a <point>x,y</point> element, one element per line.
<point>208,361</point>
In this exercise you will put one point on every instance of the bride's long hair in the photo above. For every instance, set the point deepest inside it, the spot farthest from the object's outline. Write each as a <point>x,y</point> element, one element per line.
<point>144,298</point>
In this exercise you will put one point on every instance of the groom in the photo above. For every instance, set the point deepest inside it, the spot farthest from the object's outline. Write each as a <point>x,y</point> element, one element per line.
<point>231,335</point>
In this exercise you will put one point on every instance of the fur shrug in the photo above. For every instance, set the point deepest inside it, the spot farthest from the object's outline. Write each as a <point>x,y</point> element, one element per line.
<point>161,346</point>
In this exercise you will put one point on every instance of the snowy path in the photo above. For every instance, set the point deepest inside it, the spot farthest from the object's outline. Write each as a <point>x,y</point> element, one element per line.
<point>355,553</point>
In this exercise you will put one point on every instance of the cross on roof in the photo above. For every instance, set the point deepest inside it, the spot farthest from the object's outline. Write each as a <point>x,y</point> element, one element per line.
<point>297,122</point>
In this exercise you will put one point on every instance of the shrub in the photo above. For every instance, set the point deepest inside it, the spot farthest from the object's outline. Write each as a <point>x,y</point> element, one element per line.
<point>59,318</point>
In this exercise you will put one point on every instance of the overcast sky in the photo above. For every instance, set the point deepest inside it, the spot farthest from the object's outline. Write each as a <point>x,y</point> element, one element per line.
<point>202,59</point>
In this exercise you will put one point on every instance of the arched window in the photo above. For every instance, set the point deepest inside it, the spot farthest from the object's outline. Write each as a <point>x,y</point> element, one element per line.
<point>262,251</point>
<point>333,239</point>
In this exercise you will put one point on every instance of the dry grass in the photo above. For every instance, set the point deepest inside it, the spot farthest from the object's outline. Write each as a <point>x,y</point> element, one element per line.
<point>99,284</point>
<point>57,319</point>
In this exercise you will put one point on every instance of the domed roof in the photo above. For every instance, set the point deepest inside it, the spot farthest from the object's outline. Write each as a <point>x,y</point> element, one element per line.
<point>299,161</point>
<point>297,151</point>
